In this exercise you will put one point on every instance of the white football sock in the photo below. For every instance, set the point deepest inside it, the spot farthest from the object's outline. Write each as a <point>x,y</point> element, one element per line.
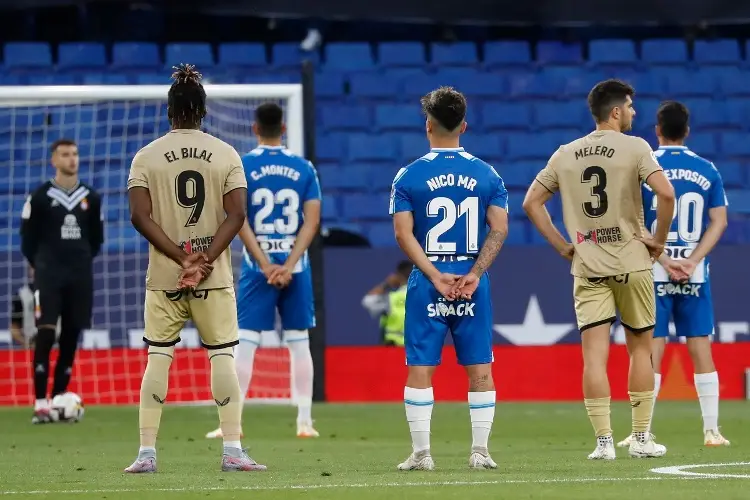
<point>482,412</point>
<point>41,404</point>
<point>707,387</point>
<point>419,404</point>
<point>298,342</point>
<point>657,386</point>
<point>244,356</point>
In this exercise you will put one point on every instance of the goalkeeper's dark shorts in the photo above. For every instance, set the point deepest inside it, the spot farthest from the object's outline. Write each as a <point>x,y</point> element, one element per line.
<point>69,298</point>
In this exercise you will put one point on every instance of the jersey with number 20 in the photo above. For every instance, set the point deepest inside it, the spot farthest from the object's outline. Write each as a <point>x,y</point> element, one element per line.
<point>698,188</point>
<point>448,192</point>
<point>279,185</point>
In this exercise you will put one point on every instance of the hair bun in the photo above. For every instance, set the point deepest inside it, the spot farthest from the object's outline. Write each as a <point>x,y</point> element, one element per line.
<point>186,73</point>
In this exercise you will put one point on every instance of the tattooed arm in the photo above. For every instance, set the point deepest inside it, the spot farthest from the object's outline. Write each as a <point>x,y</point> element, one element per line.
<point>497,220</point>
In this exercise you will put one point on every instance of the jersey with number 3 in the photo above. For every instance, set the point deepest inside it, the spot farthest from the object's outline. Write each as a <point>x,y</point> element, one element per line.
<point>187,173</point>
<point>698,188</point>
<point>599,177</point>
<point>279,184</point>
<point>449,191</point>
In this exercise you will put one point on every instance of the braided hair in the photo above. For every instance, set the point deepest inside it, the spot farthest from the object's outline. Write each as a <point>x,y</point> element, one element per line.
<point>186,100</point>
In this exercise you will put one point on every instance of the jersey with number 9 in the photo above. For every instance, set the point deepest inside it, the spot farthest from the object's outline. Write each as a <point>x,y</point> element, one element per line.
<point>187,173</point>
<point>448,191</point>
<point>279,183</point>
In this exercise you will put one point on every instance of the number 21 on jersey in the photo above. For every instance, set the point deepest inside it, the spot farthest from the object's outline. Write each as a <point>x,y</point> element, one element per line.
<point>447,208</point>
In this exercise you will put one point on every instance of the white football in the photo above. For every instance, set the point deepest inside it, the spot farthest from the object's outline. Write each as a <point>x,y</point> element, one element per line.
<point>68,407</point>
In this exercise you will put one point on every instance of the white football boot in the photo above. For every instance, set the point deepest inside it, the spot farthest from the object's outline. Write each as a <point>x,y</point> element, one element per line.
<point>480,459</point>
<point>605,449</point>
<point>647,448</point>
<point>306,430</point>
<point>625,443</point>
<point>420,460</point>
<point>714,438</point>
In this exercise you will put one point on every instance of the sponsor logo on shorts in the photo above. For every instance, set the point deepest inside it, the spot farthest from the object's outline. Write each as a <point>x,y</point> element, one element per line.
<point>442,308</point>
<point>600,236</point>
<point>687,289</point>
<point>197,244</point>
<point>179,294</point>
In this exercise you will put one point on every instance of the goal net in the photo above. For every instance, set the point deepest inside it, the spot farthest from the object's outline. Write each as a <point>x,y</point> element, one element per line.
<point>110,124</point>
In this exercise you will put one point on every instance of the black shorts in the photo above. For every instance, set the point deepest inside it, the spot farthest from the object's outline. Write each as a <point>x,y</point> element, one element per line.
<point>69,298</point>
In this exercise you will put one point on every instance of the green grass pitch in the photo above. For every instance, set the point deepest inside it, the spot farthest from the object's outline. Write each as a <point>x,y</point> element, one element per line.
<point>541,450</point>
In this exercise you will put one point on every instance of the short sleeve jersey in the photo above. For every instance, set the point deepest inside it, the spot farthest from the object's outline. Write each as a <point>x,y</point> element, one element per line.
<point>449,192</point>
<point>187,172</point>
<point>599,178</point>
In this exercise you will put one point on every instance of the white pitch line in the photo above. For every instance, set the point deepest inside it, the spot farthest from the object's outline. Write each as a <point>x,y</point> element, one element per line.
<point>680,470</point>
<point>351,485</point>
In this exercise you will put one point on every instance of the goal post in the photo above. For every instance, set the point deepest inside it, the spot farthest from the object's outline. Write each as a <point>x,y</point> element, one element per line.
<point>110,123</point>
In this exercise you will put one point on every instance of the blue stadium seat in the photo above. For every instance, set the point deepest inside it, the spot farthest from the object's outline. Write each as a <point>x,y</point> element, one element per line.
<point>122,238</point>
<point>336,117</point>
<point>612,51</point>
<point>350,178</point>
<point>27,55</point>
<point>738,86</point>
<point>392,54</point>
<point>153,79</point>
<point>419,85</point>
<point>739,201</point>
<point>52,79</point>
<point>329,85</point>
<point>506,53</point>
<point>135,55</point>
<point>515,203</point>
<point>518,175</point>
<point>704,144</point>
<point>578,84</point>
<point>454,54</point>
<point>457,77</point>
<point>329,210</point>
<point>517,234</point>
<point>554,52</point>
<point>413,146</point>
<point>10,79</point>
<point>664,51</point>
<point>538,146</point>
<point>724,51</point>
<point>732,174</point>
<point>647,84</point>
<point>372,147</point>
<point>506,115</point>
<point>356,56</point>
<point>381,176</point>
<point>733,145</point>
<point>398,117</point>
<point>374,86</point>
<point>708,113</point>
<point>105,79</point>
<point>289,55</point>
<point>81,55</point>
<point>242,54</point>
<point>365,207</point>
<point>381,235</point>
<point>488,147</point>
<point>484,85</point>
<point>331,147</point>
<point>737,231</point>
<point>570,114</point>
<point>693,83</point>
<point>528,85</point>
<point>197,53</point>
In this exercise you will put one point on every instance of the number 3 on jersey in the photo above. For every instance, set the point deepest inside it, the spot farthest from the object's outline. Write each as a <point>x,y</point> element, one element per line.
<point>267,200</point>
<point>598,190</point>
<point>451,213</point>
